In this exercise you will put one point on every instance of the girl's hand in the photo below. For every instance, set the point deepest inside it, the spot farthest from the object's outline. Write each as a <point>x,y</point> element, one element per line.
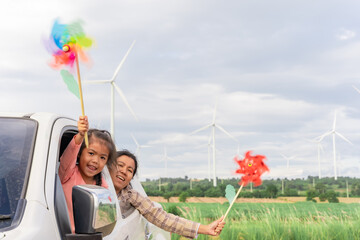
<point>213,228</point>
<point>83,127</point>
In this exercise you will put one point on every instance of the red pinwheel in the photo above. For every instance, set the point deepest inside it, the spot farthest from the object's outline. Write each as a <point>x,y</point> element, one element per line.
<point>252,167</point>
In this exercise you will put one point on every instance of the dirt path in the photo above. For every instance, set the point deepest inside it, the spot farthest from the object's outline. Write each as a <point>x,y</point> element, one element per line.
<point>249,200</point>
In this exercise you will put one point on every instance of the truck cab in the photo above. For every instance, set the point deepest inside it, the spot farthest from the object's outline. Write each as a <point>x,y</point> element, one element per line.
<point>32,203</point>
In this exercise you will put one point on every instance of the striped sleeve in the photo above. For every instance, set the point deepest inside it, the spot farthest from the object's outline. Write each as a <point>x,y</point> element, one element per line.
<point>159,217</point>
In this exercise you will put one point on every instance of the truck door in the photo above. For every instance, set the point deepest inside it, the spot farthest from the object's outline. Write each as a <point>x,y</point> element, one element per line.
<point>62,132</point>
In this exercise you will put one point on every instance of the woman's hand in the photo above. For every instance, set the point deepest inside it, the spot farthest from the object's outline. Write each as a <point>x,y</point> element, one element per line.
<point>83,127</point>
<point>213,228</point>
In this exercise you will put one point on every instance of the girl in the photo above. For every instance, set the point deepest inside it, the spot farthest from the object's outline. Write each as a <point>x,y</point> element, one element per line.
<point>122,171</point>
<point>80,165</point>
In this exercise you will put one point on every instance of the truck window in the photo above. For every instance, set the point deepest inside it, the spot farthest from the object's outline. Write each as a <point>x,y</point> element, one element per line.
<point>17,136</point>
<point>65,140</point>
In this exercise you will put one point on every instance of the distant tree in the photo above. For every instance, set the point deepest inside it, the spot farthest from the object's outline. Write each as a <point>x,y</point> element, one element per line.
<point>196,192</point>
<point>331,196</point>
<point>290,192</point>
<point>271,190</point>
<point>311,194</point>
<point>167,196</point>
<point>355,189</point>
<point>174,210</point>
<point>180,187</point>
<point>183,196</point>
<point>321,188</point>
<point>246,194</point>
<point>322,197</point>
<point>169,187</point>
<point>214,192</point>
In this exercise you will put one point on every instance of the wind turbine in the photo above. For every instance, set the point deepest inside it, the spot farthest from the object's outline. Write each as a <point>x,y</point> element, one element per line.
<point>114,86</point>
<point>319,147</point>
<point>166,158</point>
<point>138,146</point>
<point>333,132</point>
<point>287,167</point>
<point>287,159</point>
<point>213,125</point>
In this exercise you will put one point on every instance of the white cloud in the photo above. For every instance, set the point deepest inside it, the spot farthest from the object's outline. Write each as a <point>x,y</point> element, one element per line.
<point>346,34</point>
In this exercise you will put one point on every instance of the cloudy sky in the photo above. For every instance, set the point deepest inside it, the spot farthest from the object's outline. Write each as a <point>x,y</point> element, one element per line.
<point>278,70</point>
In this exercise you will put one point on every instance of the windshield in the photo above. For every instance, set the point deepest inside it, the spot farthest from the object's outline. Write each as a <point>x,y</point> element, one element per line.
<point>16,144</point>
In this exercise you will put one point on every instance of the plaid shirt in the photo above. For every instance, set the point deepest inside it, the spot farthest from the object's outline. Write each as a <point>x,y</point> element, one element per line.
<point>157,216</point>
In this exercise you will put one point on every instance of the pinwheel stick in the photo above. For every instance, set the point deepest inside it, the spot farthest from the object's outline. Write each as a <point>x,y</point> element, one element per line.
<point>81,95</point>
<point>233,201</point>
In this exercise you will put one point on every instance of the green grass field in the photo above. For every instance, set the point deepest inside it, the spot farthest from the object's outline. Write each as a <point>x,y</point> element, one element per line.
<point>301,220</point>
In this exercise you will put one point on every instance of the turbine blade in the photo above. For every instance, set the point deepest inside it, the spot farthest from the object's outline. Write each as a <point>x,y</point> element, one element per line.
<point>227,133</point>
<point>96,81</point>
<point>124,100</point>
<point>209,141</point>
<point>334,124</point>
<point>200,129</point>
<point>356,88</point>
<point>145,146</point>
<point>214,116</point>
<point>122,61</point>
<point>340,135</point>
<point>136,142</point>
<point>320,138</point>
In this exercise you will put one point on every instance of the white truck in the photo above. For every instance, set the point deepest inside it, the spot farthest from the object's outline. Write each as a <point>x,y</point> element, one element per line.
<point>32,203</point>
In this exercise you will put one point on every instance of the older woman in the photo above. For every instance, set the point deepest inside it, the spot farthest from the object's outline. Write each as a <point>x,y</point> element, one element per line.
<point>123,172</point>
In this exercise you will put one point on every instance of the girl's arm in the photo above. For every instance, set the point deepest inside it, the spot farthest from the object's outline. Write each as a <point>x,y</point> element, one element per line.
<point>68,158</point>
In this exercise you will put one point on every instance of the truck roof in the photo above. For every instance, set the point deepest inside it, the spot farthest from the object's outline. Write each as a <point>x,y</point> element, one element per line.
<point>37,115</point>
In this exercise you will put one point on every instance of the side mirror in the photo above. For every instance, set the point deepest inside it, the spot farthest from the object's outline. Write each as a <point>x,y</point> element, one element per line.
<point>94,209</point>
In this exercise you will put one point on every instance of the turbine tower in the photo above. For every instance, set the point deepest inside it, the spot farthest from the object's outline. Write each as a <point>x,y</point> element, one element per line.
<point>213,125</point>
<point>319,148</point>
<point>114,86</point>
<point>333,132</point>
<point>166,158</point>
<point>209,145</point>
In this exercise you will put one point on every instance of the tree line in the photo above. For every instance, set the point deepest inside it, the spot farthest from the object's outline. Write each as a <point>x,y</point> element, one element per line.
<point>310,187</point>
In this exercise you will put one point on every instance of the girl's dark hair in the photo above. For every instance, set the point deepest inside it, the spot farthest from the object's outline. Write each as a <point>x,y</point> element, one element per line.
<point>126,152</point>
<point>103,137</point>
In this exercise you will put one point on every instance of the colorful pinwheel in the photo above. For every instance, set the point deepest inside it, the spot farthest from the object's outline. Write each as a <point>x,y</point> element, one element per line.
<point>252,167</point>
<point>67,42</point>
<point>66,45</point>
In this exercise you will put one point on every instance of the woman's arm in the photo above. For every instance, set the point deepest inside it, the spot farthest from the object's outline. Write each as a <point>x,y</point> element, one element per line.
<point>213,228</point>
<point>164,220</point>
